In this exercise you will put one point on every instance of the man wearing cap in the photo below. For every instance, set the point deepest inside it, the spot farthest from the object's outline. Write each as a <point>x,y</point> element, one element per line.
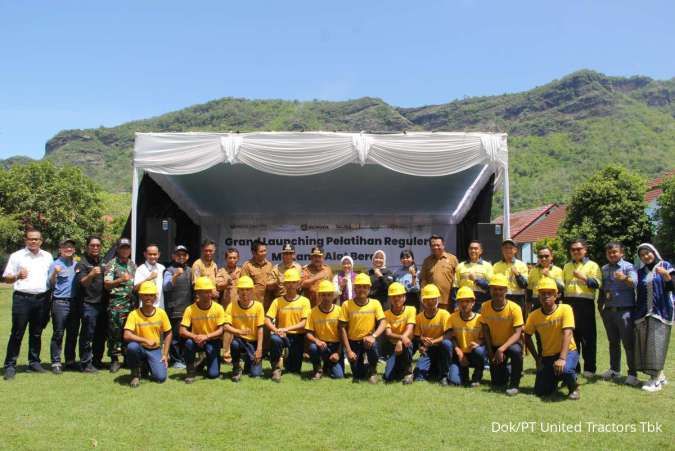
<point>245,320</point>
<point>361,323</point>
<point>474,273</point>
<point>515,272</point>
<point>226,281</point>
<point>90,290</point>
<point>314,273</point>
<point>286,320</point>
<point>143,333</point>
<point>202,328</point>
<point>259,269</point>
<point>65,308</point>
<point>502,323</point>
<point>433,341</point>
<point>583,278</point>
<point>118,279</point>
<point>544,268</point>
<point>557,355</point>
<point>205,265</point>
<point>151,270</point>
<point>27,269</point>
<point>287,262</point>
<point>178,296</point>
<point>399,332</point>
<point>467,335</point>
<point>324,336</point>
<point>439,269</point>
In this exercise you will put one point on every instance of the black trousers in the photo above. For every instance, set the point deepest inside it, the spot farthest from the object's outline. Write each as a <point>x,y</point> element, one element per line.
<point>28,311</point>
<point>585,333</point>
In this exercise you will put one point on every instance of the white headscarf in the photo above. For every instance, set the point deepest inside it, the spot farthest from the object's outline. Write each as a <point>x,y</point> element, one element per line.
<point>657,256</point>
<point>384,259</point>
<point>347,257</point>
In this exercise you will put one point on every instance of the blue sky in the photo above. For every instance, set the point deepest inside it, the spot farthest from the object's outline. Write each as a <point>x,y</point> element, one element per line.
<point>84,64</point>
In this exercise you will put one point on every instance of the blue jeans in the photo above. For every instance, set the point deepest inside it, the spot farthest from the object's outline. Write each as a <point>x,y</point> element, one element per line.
<point>435,360</point>
<point>295,344</point>
<point>137,355</point>
<point>459,375</point>
<point>93,320</point>
<point>397,364</point>
<point>359,368</point>
<point>212,351</point>
<point>546,381</point>
<point>245,350</point>
<point>65,319</point>
<point>28,310</point>
<point>510,370</point>
<point>176,350</point>
<point>320,357</point>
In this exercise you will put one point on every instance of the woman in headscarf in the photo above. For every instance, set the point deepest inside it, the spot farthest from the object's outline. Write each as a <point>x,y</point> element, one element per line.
<point>653,315</point>
<point>344,280</point>
<point>380,278</point>
<point>407,275</point>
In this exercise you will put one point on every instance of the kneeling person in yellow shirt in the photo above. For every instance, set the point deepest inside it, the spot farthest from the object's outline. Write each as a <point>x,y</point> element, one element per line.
<point>467,335</point>
<point>286,320</point>
<point>202,329</point>
<point>433,339</point>
<point>323,334</point>
<point>245,321</point>
<point>400,326</point>
<point>143,332</point>
<point>557,357</point>
<point>361,322</point>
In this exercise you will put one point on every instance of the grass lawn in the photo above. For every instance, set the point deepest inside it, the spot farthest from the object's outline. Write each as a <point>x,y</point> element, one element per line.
<point>79,411</point>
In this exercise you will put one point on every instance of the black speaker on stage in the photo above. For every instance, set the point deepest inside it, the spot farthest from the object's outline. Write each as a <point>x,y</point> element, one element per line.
<point>491,236</point>
<point>162,232</point>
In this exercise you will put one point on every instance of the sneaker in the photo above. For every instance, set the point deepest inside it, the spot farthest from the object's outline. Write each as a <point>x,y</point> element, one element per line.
<point>475,384</point>
<point>178,366</point>
<point>135,378</point>
<point>574,395</point>
<point>512,391</point>
<point>236,374</point>
<point>90,368</point>
<point>317,375</point>
<point>662,378</point>
<point>56,369</point>
<point>276,375</point>
<point>36,367</point>
<point>373,379</point>
<point>632,381</point>
<point>407,379</point>
<point>444,382</point>
<point>609,374</point>
<point>652,385</point>
<point>10,372</point>
<point>115,366</point>
<point>589,374</point>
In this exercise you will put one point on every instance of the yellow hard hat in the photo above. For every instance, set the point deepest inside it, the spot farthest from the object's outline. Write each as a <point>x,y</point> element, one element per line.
<point>292,275</point>
<point>148,287</point>
<point>546,283</point>
<point>430,291</point>
<point>465,293</point>
<point>362,279</point>
<point>205,284</point>
<point>325,287</point>
<point>499,280</point>
<point>396,289</point>
<point>244,282</point>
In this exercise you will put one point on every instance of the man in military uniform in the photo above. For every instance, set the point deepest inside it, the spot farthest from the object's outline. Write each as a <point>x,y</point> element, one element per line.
<point>119,281</point>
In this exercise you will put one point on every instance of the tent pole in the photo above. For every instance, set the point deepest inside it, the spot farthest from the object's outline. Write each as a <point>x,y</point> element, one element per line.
<point>134,209</point>
<point>507,208</point>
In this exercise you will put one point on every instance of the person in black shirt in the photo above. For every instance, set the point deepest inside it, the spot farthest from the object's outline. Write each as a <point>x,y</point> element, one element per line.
<point>89,281</point>
<point>380,278</point>
<point>178,295</point>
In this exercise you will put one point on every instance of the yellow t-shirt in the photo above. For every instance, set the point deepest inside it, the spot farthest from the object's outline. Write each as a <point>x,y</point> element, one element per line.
<point>287,314</point>
<point>501,267</point>
<point>466,331</point>
<point>481,269</point>
<point>576,288</point>
<point>550,328</point>
<point>324,326</point>
<point>398,323</point>
<point>361,319</point>
<point>150,327</point>
<point>203,321</point>
<point>432,327</point>
<point>501,323</point>
<point>248,320</point>
<point>535,276</point>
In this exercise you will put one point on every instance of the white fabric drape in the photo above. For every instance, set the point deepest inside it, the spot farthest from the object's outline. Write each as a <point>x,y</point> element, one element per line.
<point>296,154</point>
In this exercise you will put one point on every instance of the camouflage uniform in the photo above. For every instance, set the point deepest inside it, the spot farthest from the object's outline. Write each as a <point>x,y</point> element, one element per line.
<point>121,303</point>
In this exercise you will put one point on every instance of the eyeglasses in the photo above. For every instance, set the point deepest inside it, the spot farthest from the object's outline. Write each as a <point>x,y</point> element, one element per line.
<point>543,256</point>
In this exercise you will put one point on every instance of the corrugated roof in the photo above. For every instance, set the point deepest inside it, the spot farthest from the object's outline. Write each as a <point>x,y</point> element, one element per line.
<point>545,227</point>
<point>522,219</point>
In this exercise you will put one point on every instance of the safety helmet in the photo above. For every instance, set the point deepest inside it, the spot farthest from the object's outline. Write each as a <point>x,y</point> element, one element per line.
<point>546,283</point>
<point>362,279</point>
<point>244,282</point>
<point>396,289</point>
<point>430,291</point>
<point>292,275</point>
<point>148,287</point>
<point>205,284</point>
<point>465,293</point>
<point>325,287</point>
<point>499,280</point>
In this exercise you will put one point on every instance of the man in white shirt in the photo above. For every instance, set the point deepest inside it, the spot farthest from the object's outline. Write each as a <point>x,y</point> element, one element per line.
<point>27,269</point>
<point>151,270</point>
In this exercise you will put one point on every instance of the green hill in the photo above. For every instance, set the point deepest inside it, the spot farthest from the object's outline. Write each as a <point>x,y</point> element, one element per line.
<point>559,133</point>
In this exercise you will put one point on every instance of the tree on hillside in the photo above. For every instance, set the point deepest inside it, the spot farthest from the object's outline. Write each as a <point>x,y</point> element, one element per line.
<point>60,201</point>
<point>665,230</point>
<point>608,207</point>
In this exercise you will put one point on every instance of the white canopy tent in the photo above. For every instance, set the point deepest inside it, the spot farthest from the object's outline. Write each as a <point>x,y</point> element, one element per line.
<point>205,174</point>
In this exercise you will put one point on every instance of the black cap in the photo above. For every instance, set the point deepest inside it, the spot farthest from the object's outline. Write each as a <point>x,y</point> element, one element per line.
<point>316,250</point>
<point>287,248</point>
<point>123,242</point>
<point>179,248</point>
<point>66,241</point>
<point>509,241</point>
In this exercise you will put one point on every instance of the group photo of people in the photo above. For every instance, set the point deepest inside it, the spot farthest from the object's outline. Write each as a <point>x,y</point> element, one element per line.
<point>453,323</point>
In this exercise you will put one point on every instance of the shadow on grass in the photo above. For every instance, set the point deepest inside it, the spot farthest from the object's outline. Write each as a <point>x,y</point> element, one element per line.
<point>123,379</point>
